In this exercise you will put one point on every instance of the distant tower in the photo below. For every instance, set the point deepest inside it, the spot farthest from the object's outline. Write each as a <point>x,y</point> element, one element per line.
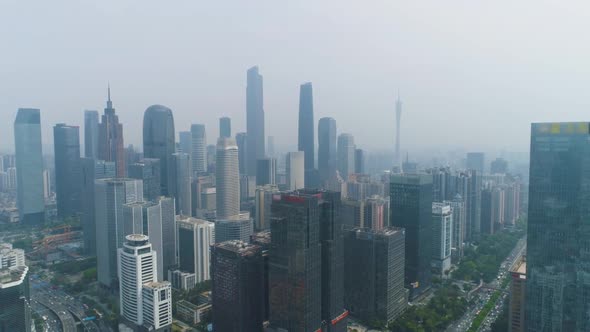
<point>29,166</point>
<point>241,141</point>
<point>181,184</point>
<point>110,141</point>
<point>91,134</point>
<point>346,154</point>
<point>224,127</point>
<point>254,120</point>
<point>295,170</point>
<point>228,178</point>
<point>327,158</point>
<point>398,118</point>
<point>198,149</point>
<point>306,132</point>
<point>159,141</point>
<point>147,170</point>
<point>68,167</point>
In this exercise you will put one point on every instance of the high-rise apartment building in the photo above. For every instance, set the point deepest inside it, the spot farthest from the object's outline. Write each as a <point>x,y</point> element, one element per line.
<point>29,166</point>
<point>459,220</point>
<point>374,273</point>
<point>327,157</point>
<point>237,286</point>
<point>254,120</point>
<point>195,236</point>
<point>180,186</point>
<point>110,138</point>
<point>91,134</point>
<point>346,151</point>
<point>227,178</point>
<point>198,154</point>
<point>224,127</point>
<point>442,237</point>
<point>68,167</point>
<point>110,196</point>
<point>159,142</point>
<point>411,209</point>
<point>148,171</point>
<point>557,233</point>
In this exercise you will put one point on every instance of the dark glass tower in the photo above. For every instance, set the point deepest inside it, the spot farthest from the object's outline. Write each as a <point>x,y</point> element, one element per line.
<point>224,127</point>
<point>68,168</point>
<point>254,120</point>
<point>411,209</point>
<point>266,171</point>
<point>148,170</point>
<point>29,166</point>
<point>306,132</point>
<point>15,311</point>
<point>558,263</point>
<point>158,141</point>
<point>91,134</point>
<point>237,284</point>
<point>327,160</point>
<point>359,161</point>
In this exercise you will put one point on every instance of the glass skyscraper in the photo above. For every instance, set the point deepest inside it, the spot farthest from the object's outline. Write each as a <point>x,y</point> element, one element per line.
<point>159,143</point>
<point>558,242</point>
<point>68,169</point>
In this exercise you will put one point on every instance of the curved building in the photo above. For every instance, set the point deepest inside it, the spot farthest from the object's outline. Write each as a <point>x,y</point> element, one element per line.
<point>158,140</point>
<point>228,178</point>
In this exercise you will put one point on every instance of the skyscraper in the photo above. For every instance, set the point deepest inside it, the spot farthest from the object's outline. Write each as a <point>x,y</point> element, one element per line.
<point>148,170</point>
<point>295,170</point>
<point>558,235</point>
<point>266,171</point>
<point>475,161</point>
<point>29,166</point>
<point>270,148</point>
<point>185,141</point>
<point>254,120</point>
<point>224,127</point>
<point>144,302</point>
<point>242,152</point>
<point>237,286</point>
<point>15,309</point>
<point>346,150</point>
<point>91,134</point>
<point>327,157</point>
<point>228,178</point>
<point>397,162</point>
<point>92,170</point>
<point>442,236</point>
<point>110,138</point>
<point>263,201</point>
<point>411,208</point>
<point>110,196</point>
<point>359,161</point>
<point>68,170</point>
<point>180,186</point>
<point>238,227</point>
<point>159,142</point>
<point>374,273</point>
<point>198,154</point>
<point>306,136</point>
<point>195,236</point>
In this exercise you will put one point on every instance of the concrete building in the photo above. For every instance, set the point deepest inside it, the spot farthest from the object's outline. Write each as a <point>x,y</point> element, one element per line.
<point>264,195</point>
<point>517,304</point>
<point>442,237</point>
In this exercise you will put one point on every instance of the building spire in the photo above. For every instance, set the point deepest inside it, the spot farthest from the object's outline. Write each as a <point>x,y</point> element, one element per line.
<point>109,90</point>
<point>109,102</point>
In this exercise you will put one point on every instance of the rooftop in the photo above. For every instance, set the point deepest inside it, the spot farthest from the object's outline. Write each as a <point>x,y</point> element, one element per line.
<point>239,247</point>
<point>12,276</point>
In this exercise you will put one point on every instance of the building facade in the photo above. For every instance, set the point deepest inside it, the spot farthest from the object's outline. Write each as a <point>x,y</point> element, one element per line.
<point>159,141</point>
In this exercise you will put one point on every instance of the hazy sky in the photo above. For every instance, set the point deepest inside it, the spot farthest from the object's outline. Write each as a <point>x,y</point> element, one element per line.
<point>471,73</point>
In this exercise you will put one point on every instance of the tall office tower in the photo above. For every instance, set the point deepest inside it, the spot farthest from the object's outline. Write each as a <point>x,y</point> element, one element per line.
<point>29,166</point>
<point>92,170</point>
<point>441,177</point>
<point>397,162</point>
<point>225,127</point>
<point>262,239</point>
<point>295,289</point>
<point>238,227</point>
<point>198,154</point>
<point>263,203</point>
<point>475,161</point>
<point>145,303</point>
<point>359,161</point>
<point>295,170</point>
<point>374,273</point>
<point>132,156</point>
<point>459,220</point>
<point>46,183</point>
<point>91,134</point>
<point>110,138</point>
<point>68,167</point>
<point>411,208</point>
<point>195,236</point>
<point>474,197</point>
<point>266,170</point>
<point>346,150</point>
<point>254,120</point>
<point>180,186</point>
<point>109,198</point>
<point>211,157</point>
<point>306,137</point>
<point>442,236</point>
<point>242,152</point>
<point>15,309</point>
<point>517,297</point>
<point>498,166</point>
<point>185,141</point>
<point>557,235</point>
<point>159,143</point>
<point>227,178</point>
<point>376,212</point>
<point>237,286</point>
<point>327,157</point>
<point>270,146</point>
<point>157,220</point>
<point>147,170</point>
<point>353,213</point>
